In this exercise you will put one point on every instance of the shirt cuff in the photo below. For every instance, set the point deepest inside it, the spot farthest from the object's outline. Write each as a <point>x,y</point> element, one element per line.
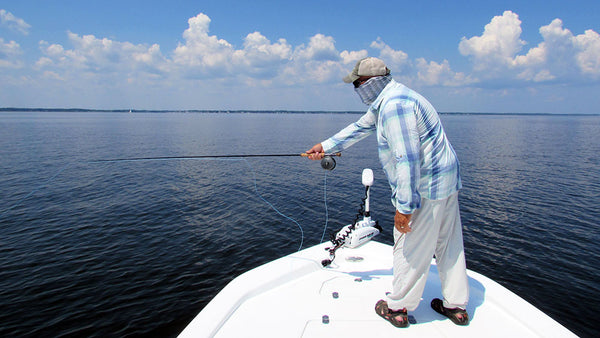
<point>327,145</point>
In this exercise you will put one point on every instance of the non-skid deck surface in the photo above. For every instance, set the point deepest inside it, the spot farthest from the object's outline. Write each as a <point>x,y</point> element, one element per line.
<point>296,297</point>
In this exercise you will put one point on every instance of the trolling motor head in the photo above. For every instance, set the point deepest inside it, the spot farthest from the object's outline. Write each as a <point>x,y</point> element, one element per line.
<point>360,231</point>
<point>367,177</point>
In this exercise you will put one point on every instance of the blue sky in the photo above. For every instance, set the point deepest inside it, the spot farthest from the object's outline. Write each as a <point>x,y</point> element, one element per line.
<point>465,56</point>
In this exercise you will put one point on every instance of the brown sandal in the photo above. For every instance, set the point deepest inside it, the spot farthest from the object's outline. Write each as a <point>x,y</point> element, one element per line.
<point>381,308</point>
<point>457,315</point>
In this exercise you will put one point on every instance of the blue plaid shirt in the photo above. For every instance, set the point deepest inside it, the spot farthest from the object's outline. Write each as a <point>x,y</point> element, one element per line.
<point>417,158</point>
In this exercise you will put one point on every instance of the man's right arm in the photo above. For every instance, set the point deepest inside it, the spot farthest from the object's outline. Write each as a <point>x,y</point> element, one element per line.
<point>316,152</point>
<point>353,133</point>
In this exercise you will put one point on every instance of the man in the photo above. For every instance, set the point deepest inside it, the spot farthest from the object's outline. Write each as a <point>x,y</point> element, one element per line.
<point>423,173</point>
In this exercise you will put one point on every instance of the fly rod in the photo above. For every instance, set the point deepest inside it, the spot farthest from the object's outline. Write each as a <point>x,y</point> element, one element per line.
<point>327,162</point>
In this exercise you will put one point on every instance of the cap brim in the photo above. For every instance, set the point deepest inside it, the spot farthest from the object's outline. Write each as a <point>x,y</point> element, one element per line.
<point>350,78</point>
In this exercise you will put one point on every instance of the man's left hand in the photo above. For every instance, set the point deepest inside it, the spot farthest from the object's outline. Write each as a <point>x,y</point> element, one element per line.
<point>402,222</point>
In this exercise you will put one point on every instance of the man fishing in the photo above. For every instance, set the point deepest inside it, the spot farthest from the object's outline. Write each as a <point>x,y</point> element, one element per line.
<point>423,173</point>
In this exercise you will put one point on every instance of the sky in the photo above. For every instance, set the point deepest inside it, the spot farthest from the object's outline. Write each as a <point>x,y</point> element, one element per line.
<point>463,56</point>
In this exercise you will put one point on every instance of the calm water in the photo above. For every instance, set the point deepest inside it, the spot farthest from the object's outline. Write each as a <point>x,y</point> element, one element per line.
<point>139,247</point>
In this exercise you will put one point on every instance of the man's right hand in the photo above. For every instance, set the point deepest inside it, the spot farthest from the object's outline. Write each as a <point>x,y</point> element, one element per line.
<point>316,152</point>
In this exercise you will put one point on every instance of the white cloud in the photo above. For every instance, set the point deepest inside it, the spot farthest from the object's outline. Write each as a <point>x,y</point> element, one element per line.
<point>569,56</point>
<point>320,48</point>
<point>420,72</point>
<point>588,57</point>
<point>260,57</point>
<point>206,56</point>
<point>495,49</point>
<point>353,57</point>
<point>201,51</point>
<point>261,70</point>
<point>9,54</point>
<point>202,56</point>
<point>102,57</point>
<point>317,62</point>
<point>440,74</point>
<point>14,23</point>
<point>561,56</point>
<point>395,59</point>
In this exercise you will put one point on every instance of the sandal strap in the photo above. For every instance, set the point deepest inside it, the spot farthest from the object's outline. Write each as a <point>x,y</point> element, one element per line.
<point>398,312</point>
<point>452,313</point>
<point>384,311</point>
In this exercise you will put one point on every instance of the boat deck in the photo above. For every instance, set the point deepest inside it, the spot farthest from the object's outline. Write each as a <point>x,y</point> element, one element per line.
<point>295,296</point>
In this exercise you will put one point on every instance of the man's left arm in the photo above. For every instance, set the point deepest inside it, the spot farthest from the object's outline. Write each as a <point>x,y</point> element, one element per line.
<point>400,130</point>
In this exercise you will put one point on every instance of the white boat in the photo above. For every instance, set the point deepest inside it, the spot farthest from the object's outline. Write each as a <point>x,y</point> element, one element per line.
<point>297,296</point>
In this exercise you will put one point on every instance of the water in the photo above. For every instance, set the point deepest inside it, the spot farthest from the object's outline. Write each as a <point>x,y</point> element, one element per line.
<point>138,248</point>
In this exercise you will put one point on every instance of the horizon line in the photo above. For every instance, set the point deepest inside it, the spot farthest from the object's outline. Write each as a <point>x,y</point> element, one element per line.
<point>234,111</point>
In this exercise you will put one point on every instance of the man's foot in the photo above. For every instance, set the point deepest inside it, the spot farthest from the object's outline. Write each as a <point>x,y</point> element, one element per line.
<point>457,315</point>
<point>398,318</point>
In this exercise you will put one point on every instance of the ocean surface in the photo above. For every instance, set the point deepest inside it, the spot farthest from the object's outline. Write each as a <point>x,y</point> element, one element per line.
<point>139,247</point>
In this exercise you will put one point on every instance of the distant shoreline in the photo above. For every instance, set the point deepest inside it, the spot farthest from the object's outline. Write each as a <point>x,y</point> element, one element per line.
<point>215,111</point>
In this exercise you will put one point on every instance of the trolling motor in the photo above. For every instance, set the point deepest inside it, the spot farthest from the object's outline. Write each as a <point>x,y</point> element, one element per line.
<point>360,231</point>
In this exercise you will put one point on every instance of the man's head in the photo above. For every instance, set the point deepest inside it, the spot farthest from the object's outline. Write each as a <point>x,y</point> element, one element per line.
<point>370,76</point>
<point>365,69</point>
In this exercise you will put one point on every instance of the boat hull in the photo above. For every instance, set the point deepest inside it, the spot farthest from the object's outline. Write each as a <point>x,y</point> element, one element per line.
<point>295,296</point>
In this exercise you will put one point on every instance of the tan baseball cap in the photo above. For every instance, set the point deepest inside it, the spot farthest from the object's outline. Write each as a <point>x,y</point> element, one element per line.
<point>369,66</point>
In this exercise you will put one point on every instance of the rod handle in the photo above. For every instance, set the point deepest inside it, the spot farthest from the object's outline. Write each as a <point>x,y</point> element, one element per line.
<point>332,154</point>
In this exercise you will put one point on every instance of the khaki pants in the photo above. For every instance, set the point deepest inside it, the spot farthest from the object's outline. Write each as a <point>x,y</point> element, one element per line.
<point>436,229</point>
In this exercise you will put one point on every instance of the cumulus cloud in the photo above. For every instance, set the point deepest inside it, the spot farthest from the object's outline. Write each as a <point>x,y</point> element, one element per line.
<point>561,56</point>
<point>207,56</point>
<point>14,23</point>
<point>588,56</point>
<point>419,72</point>
<point>260,52</point>
<point>93,55</point>
<point>351,57</point>
<point>440,74</point>
<point>498,56</point>
<point>203,56</point>
<point>395,59</point>
<point>202,51</point>
<point>9,54</point>
<point>200,56</point>
<point>319,62</point>
<point>497,46</point>
<point>320,48</point>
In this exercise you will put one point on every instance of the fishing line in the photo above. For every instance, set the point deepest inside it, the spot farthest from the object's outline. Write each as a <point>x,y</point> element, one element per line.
<point>218,158</point>
<point>48,181</point>
<point>273,207</point>
<point>325,202</point>
<point>327,163</point>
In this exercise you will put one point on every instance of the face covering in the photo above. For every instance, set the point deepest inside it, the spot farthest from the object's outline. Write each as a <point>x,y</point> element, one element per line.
<point>369,90</point>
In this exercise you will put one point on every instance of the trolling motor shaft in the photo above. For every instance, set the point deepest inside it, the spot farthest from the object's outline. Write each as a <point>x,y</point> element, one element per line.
<point>359,232</point>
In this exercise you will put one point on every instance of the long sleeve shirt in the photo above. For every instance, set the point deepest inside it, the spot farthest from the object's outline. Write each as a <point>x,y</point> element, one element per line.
<point>416,156</point>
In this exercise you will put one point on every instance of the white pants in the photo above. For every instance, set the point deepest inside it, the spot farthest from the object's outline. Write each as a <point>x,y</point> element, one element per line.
<point>436,229</point>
